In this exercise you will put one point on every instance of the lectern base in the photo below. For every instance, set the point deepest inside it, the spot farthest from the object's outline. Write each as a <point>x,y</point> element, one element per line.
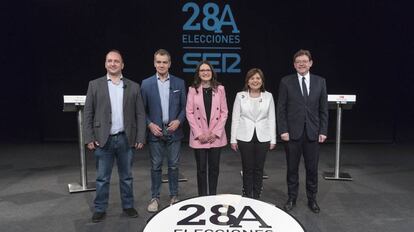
<point>76,188</point>
<point>342,176</point>
<point>181,178</point>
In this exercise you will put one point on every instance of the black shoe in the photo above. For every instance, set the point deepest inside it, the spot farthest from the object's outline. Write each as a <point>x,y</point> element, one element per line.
<point>313,206</point>
<point>290,204</point>
<point>98,217</point>
<point>256,194</point>
<point>131,212</point>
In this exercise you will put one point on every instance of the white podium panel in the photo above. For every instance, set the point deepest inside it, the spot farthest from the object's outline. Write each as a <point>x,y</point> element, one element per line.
<point>71,103</point>
<point>342,98</point>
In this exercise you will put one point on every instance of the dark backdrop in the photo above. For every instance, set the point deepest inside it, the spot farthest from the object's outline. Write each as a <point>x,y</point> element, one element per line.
<point>53,48</point>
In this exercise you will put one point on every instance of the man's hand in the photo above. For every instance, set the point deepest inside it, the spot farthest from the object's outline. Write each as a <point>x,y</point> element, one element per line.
<point>173,125</point>
<point>155,129</point>
<point>93,145</point>
<point>138,146</point>
<point>322,138</point>
<point>285,137</point>
<point>272,146</point>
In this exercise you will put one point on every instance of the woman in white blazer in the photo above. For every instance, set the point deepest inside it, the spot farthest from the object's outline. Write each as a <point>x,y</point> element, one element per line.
<point>253,130</point>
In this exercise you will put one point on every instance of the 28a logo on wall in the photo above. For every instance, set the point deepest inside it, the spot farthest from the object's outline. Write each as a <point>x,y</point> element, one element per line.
<point>210,33</point>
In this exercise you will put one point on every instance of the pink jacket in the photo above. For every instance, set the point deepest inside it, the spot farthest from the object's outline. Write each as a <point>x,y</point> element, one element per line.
<point>197,118</point>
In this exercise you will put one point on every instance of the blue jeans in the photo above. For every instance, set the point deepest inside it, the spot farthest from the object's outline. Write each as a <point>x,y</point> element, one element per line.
<point>159,150</point>
<point>115,148</point>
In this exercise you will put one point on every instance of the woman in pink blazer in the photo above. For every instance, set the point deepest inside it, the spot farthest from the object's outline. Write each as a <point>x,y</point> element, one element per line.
<point>207,114</point>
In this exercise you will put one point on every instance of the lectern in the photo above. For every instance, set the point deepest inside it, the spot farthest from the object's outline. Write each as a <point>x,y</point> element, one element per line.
<point>339,102</point>
<point>75,103</point>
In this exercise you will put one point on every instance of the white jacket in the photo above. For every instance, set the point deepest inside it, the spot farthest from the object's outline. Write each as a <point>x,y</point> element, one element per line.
<point>243,122</point>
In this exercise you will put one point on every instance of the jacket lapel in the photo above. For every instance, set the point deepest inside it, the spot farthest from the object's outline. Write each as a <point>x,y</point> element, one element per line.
<point>156,93</point>
<point>297,86</point>
<point>126,92</point>
<point>245,102</point>
<point>313,84</point>
<point>200,99</point>
<point>103,84</point>
<point>170,98</point>
<point>215,101</point>
<point>261,105</point>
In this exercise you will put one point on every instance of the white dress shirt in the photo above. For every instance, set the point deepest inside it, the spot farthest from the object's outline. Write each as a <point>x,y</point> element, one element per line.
<point>307,82</point>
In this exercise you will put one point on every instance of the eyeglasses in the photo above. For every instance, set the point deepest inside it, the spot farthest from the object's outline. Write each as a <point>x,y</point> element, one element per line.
<point>301,61</point>
<point>205,70</point>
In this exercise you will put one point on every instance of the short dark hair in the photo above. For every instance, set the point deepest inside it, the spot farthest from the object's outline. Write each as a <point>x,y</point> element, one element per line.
<point>251,73</point>
<point>116,51</point>
<point>197,80</point>
<point>162,52</point>
<point>302,52</point>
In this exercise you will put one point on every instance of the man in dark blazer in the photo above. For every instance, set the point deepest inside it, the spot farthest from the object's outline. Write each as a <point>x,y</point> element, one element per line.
<point>302,116</point>
<point>164,98</point>
<point>114,122</point>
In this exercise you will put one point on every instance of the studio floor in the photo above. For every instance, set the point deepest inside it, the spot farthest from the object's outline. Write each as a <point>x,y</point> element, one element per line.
<point>34,192</point>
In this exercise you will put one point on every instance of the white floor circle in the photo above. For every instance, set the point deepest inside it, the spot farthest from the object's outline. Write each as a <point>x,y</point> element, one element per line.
<point>222,213</point>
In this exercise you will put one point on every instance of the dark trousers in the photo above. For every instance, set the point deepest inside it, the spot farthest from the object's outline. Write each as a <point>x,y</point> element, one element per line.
<point>253,156</point>
<point>310,151</point>
<point>208,167</point>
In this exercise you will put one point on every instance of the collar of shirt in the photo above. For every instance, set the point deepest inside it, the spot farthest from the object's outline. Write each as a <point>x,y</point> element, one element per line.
<point>167,79</point>
<point>307,81</point>
<point>109,79</point>
<point>307,77</point>
<point>260,97</point>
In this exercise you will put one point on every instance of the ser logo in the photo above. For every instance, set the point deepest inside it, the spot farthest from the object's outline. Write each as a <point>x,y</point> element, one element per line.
<point>210,33</point>
<point>223,215</point>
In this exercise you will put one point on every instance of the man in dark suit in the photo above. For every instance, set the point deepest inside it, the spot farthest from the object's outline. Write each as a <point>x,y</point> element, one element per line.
<point>164,98</point>
<point>302,116</point>
<point>114,119</point>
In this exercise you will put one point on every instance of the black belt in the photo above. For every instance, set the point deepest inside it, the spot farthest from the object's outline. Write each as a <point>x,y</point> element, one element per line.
<point>119,133</point>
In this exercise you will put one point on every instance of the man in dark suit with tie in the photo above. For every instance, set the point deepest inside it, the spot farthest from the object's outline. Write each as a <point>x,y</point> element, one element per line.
<point>164,99</point>
<point>302,119</point>
<point>114,119</point>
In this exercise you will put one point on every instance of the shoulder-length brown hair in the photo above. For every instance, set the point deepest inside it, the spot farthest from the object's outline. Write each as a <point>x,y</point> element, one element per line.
<point>197,80</point>
<point>251,73</point>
